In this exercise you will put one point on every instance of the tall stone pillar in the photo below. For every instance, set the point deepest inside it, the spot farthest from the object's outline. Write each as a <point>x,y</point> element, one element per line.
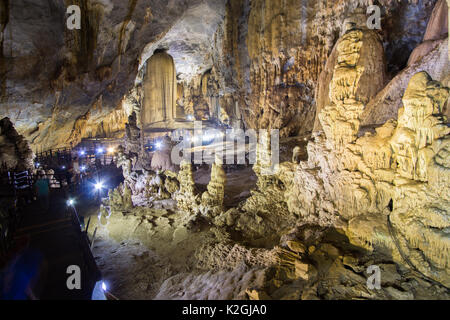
<point>160,89</point>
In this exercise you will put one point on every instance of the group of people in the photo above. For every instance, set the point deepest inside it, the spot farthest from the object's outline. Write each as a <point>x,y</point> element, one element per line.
<point>70,179</point>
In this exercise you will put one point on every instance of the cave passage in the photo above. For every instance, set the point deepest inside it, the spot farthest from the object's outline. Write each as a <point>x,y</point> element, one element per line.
<point>251,150</point>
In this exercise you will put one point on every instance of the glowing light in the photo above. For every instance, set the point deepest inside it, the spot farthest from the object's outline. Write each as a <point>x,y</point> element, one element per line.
<point>190,117</point>
<point>111,150</point>
<point>104,286</point>
<point>99,185</point>
<point>37,164</point>
<point>63,167</point>
<point>100,150</point>
<point>70,202</point>
<point>208,137</point>
<point>83,168</point>
<point>158,145</point>
<point>82,153</point>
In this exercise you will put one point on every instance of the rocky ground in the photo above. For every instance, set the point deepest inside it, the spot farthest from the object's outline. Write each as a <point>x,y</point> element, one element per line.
<point>176,264</point>
<point>159,253</point>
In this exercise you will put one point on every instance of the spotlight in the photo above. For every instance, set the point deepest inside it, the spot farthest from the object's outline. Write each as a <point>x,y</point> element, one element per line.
<point>83,168</point>
<point>190,117</point>
<point>63,167</point>
<point>100,150</point>
<point>37,164</point>
<point>70,202</point>
<point>158,145</point>
<point>99,186</point>
<point>111,150</point>
<point>104,286</point>
<point>82,153</point>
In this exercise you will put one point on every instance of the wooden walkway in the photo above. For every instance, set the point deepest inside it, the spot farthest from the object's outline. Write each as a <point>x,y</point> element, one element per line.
<point>49,242</point>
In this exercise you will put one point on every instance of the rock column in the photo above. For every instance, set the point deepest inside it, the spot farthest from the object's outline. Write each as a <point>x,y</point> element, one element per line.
<point>160,89</point>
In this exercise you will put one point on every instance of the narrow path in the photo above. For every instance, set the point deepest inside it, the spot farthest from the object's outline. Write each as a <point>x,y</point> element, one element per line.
<point>46,244</point>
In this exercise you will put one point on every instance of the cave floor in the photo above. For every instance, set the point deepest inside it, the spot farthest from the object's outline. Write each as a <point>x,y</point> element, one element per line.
<point>147,253</point>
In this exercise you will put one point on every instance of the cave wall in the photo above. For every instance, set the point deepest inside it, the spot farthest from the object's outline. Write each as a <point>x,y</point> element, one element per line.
<point>263,59</point>
<point>61,85</point>
<point>272,54</point>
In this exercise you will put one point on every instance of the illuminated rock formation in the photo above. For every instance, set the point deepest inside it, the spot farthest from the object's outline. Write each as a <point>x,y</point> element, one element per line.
<point>132,136</point>
<point>187,197</point>
<point>161,160</point>
<point>388,190</point>
<point>366,55</point>
<point>160,89</point>
<point>212,199</point>
<point>430,56</point>
<point>340,120</point>
<point>125,161</point>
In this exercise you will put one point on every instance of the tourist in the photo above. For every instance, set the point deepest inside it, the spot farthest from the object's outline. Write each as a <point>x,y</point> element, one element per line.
<point>76,171</point>
<point>42,187</point>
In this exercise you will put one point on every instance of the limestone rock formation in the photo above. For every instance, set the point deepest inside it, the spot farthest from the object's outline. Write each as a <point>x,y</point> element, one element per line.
<point>187,198</point>
<point>437,30</point>
<point>132,137</point>
<point>274,54</point>
<point>371,188</point>
<point>265,60</point>
<point>340,119</point>
<point>431,56</point>
<point>212,199</point>
<point>162,157</point>
<point>86,75</point>
<point>15,153</point>
<point>160,89</point>
<point>378,187</point>
<point>368,56</point>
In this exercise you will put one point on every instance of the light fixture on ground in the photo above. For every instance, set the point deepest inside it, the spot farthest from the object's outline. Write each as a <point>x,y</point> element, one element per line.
<point>71,203</point>
<point>99,185</point>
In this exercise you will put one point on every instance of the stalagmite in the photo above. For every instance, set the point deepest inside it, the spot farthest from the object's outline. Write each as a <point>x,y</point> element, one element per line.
<point>368,55</point>
<point>162,158</point>
<point>212,199</point>
<point>187,197</point>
